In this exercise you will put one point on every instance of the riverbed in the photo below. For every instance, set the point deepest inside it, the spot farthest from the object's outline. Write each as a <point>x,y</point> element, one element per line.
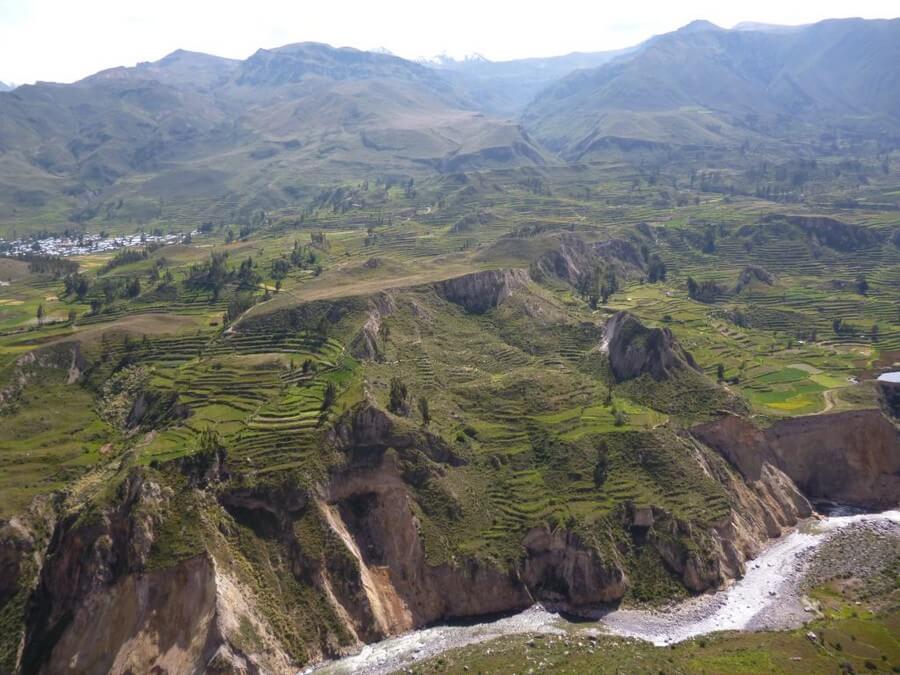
<point>767,597</point>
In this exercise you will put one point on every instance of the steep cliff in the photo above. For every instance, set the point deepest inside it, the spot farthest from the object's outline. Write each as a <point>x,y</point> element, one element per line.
<point>366,343</point>
<point>849,457</point>
<point>574,261</point>
<point>188,567</point>
<point>480,291</point>
<point>635,349</point>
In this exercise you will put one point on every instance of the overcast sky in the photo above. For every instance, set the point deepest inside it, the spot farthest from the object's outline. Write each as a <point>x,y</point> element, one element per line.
<point>64,40</point>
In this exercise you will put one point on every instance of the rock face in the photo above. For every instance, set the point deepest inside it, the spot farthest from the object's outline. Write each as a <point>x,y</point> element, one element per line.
<point>481,291</point>
<point>573,260</point>
<point>570,260</point>
<point>890,392</point>
<point>166,619</point>
<point>558,567</point>
<point>751,274</point>
<point>622,251</point>
<point>65,357</point>
<point>635,349</point>
<point>366,344</point>
<point>829,232</point>
<point>99,606</point>
<point>849,457</point>
<point>369,507</point>
<point>366,428</point>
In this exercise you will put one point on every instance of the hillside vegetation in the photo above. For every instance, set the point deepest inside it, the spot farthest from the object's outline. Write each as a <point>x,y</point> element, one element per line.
<point>375,358</point>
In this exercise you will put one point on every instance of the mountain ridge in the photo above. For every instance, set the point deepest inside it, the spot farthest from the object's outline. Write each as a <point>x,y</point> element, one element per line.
<point>699,85</point>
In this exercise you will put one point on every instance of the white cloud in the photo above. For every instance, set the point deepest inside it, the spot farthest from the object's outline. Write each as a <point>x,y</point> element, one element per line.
<point>63,40</point>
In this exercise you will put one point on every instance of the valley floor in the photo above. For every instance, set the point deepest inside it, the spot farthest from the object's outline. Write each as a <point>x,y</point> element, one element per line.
<point>771,596</point>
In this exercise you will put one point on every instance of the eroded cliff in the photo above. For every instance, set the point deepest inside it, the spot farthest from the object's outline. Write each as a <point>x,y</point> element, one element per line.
<point>848,457</point>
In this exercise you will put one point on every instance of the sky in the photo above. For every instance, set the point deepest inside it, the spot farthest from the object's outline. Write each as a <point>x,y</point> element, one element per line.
<point>65,40</point>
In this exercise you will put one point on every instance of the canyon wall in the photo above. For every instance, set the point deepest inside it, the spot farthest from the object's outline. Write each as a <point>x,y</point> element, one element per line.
<point>848,457</point>
<point>100,606</point>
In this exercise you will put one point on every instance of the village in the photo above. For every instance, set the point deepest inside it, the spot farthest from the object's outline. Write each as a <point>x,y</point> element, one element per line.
<point>84,243</point>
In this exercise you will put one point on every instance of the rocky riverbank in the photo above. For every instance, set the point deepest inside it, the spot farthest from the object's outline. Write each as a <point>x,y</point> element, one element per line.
<point>769,596</point>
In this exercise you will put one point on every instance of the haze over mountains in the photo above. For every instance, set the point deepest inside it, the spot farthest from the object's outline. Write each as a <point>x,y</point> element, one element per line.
<point>710,86</point>
<point>259,133</point>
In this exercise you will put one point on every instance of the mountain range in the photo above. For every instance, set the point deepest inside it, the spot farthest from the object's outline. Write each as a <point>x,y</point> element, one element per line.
<point>710,86</point>
<point>266,131</point>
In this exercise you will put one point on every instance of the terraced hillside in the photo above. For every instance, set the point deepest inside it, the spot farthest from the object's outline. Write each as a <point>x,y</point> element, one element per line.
<point>351,420</point>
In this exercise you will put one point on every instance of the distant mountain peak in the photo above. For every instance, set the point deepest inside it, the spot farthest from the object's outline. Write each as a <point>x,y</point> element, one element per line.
<point>187,56</point>
<point>766,27</point>
<point>444,60</point>
<point>6,86</point>
<point>699,25</point>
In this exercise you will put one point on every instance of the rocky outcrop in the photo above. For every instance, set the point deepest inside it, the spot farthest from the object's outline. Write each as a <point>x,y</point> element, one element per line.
<point>574,261</point>
<point>85,556</point>
<point>366,343</point>
<point>830,232</point>
<point>558,567</point>
<point>848,457</point>
<point>634,349</point>
<point>64,357</point>
<point>366,428</point>
<point>23,546</point>
<point>751,274</point>
<point>161,620</point>
<point>706,557</point>
<point>622,251</point>
<point>570,260</point>
<point>481,291</point>
<point>370,508</point>
<point>99,608</point>
<point>890,394</point>
<point>355,544</point>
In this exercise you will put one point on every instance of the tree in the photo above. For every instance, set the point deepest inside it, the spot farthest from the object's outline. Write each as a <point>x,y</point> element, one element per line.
<point>385,334</point>
<point>862,286</point>
<point>691,287</point>
<point>398,403</point>
<point>72,316</point>
<point>424,411</point>
<point>209,442</point>
<point>612,282</point>
<point>610,380</point>
<point>328,398</point>
<point>40,315</point>
<point>602,467</point>
<point>836,325</point>
<point>874,332</point>
<point>239,304</point>
<point>720,372</point>
<point>656,270</point>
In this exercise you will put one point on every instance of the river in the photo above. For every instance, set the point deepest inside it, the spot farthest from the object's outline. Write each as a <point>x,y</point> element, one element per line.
<point>767,597</point>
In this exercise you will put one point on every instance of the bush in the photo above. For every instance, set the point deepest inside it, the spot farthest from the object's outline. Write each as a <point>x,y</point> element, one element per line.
<point>398,403</point>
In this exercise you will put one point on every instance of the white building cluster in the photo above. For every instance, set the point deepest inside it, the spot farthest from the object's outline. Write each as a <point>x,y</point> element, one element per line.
<point>84,243</point>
